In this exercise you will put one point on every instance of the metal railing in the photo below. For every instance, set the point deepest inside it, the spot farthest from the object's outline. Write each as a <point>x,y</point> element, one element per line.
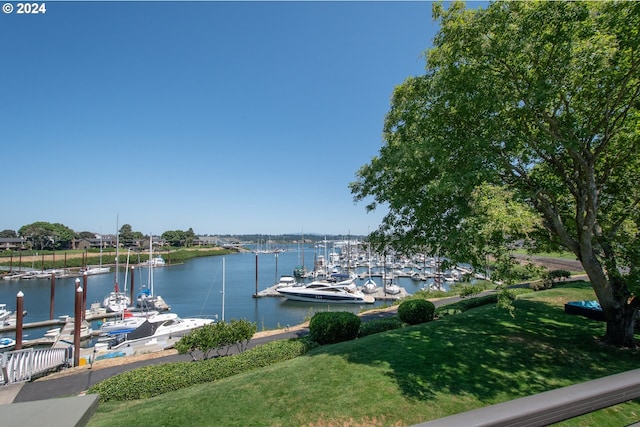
<point>22,365</point>
<point>551,406</point>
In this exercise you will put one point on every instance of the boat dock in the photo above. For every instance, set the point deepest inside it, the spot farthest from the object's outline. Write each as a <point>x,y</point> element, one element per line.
<point>90,315</point>
<point>379,294</point>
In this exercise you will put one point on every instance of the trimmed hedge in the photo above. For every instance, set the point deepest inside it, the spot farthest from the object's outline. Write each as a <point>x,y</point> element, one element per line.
<point>328,327</point>
<point>153,380</point>
<point>416,311</point>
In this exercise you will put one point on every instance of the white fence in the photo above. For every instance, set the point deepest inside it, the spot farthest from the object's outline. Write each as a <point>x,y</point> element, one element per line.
<point>21,365</point>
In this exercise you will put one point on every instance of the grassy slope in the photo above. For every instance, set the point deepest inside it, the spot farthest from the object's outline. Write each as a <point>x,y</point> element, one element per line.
<point>406,376</point>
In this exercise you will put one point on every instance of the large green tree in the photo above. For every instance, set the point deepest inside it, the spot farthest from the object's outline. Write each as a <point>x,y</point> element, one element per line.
<point>45,235</point>
<point>541,100</point>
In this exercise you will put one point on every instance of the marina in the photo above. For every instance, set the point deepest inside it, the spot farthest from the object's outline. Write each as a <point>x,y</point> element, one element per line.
<point>203,287</point>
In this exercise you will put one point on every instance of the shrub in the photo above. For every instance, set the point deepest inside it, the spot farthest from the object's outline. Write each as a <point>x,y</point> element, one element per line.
<point>416,311</point>
<point>379,325</point>
<point>150,381</point>
<point>559,274</point>
<point>470,291</point>
<point>330,327</point>
<point>219,336</point>
<point>550,279</point>
<point>466,304</point>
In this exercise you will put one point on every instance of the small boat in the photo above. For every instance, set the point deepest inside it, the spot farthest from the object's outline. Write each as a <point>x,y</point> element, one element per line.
<point>5,313</point>
<point>370,286</point>
<point>90,271</point>
<point>391,288</point>
<point>128,323</point>
<point>7,343</point>
<point>157,261</point>
<point>323,291</point>
<point>158,327</point>
<point>286,281</point>
<point>8,317</point>
<point>147,299</point>
<point>116,301</point>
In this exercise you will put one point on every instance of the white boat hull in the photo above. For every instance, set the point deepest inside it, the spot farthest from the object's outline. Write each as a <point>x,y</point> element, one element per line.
<point>321,292</point>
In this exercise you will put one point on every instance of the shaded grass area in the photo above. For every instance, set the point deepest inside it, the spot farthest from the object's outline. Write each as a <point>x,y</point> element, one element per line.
<point>406,376</point>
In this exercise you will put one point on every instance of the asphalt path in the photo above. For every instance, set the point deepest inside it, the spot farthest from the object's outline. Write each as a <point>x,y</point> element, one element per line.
<point>76,383</point>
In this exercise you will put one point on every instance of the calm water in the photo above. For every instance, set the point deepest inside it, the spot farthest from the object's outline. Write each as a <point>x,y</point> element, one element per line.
<point>193,289</point>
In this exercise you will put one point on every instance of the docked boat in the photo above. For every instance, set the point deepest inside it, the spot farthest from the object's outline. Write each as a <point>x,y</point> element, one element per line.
<point>323,291</point>
<point>147,299</point>
<point>158,261</point>
<point>129,322</point>
<point>8,317</point>
<point>5,313</point>
<point>391,288</point>
<point>7,343</point>
<point>370,286</point>
<point>160,326</point>
<point>286,281</point>
<point>116,301</point>
<point>90,271</point>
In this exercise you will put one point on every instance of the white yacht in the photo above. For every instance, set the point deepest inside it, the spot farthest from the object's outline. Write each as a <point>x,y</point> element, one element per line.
<point>323,291</point>
<point>158,327</point>
<point>129,322</point>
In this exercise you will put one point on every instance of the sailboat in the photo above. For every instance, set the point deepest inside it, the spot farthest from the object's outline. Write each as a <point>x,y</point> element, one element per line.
<point>91,270</point>
<point>147,299</point>
<point>116,301</point>
<point>370,286</point>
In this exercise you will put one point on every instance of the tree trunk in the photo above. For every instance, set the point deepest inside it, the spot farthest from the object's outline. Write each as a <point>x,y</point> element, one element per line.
<point>620,328</point>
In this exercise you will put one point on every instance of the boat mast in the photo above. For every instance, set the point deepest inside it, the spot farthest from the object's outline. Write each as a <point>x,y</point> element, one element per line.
<point>223,285</point>
<point>150,264</point>
<point>117,245</point>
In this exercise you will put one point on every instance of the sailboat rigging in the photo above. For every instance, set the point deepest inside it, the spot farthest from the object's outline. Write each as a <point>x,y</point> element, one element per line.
<point>116,301</point>
<point>147,299</point>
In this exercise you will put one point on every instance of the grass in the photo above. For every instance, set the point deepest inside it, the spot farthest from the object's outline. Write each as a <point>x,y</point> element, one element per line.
<point>407,376</point>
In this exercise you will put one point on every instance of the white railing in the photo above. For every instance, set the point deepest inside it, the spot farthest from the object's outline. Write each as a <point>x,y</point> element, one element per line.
<point>21,365</point>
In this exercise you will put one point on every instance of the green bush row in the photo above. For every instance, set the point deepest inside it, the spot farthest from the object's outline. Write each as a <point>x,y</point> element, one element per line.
<point>154,380</point>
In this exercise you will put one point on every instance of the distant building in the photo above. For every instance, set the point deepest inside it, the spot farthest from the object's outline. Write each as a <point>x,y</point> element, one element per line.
<point>12,243</point>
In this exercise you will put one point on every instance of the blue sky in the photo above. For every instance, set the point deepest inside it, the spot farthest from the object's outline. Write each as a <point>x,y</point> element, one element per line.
<point>226,117</point>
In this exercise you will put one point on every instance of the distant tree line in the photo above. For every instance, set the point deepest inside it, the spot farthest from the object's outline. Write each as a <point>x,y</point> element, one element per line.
<point>43,235</point>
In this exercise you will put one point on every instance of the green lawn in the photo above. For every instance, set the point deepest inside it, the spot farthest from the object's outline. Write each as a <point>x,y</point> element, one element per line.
<point>407,376</point>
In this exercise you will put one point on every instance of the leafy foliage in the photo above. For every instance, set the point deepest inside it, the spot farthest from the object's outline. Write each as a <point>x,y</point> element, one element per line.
<point>218,336</point>
<point>328,327</point>
<point>44,235</point>
<point>524,129</point>
<point>416,311</point>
